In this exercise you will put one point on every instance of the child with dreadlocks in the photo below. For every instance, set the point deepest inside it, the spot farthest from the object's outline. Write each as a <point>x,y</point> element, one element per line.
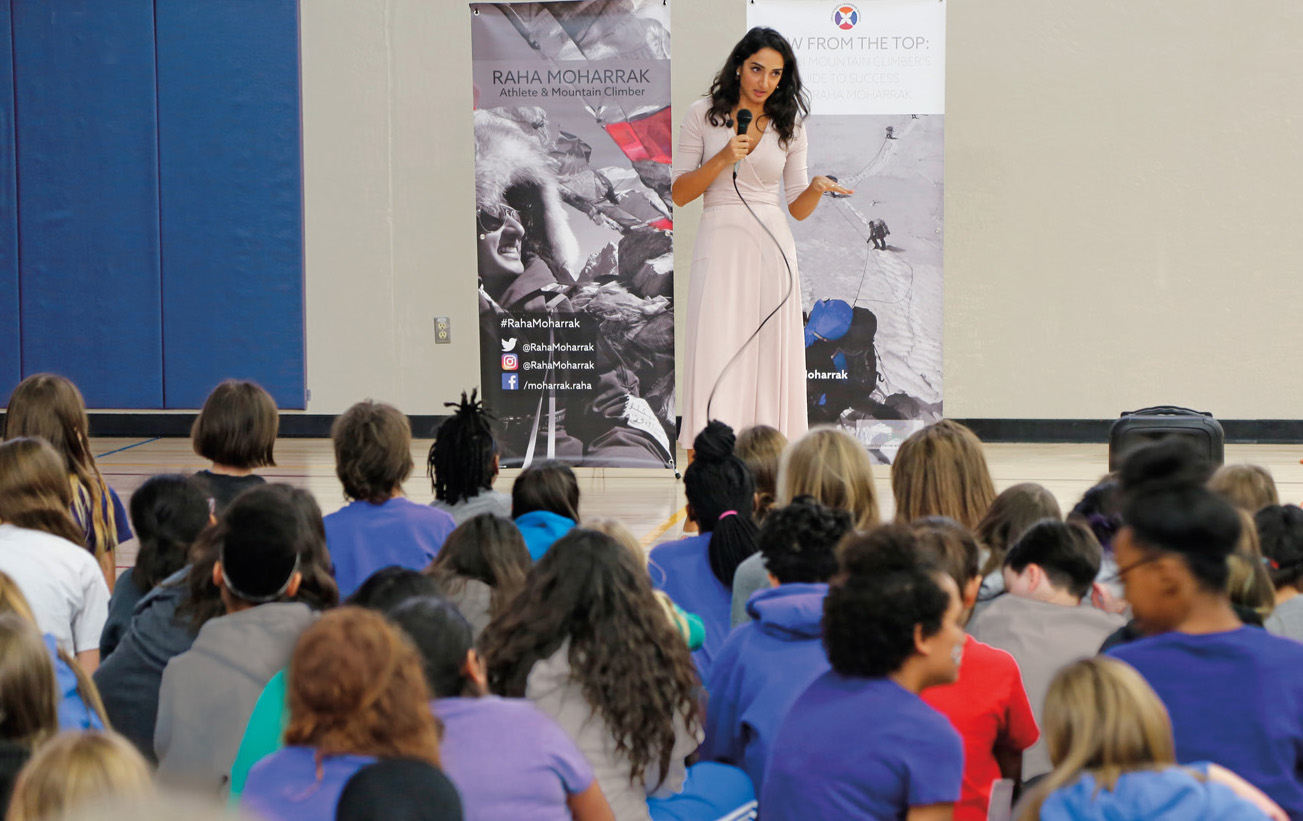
<point>463,463</point>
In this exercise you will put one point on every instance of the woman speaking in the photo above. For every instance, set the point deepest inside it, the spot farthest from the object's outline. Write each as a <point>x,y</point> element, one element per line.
<point>746,351</point>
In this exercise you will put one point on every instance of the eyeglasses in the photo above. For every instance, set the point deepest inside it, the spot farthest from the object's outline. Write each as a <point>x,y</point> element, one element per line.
<point>492,217</point>
<point>1122,571</point>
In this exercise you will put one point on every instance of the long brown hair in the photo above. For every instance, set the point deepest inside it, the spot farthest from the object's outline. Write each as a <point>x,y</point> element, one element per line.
<point>74,770</point>
<point>1015,510</point>
<point>941,471</point>
<point>12,600</point>
<point>761,448</point>
<point>51,407</point>
<point>28,711</point>
<point>356,686</point>
<point>634,669</point>
<point>34,489</point>
<point>833,467</point>
<point>1100,718</point>
<point>487,548</point>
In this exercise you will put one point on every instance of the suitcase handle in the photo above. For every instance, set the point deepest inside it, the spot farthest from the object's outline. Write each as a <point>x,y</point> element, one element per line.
<point>1166,410</point>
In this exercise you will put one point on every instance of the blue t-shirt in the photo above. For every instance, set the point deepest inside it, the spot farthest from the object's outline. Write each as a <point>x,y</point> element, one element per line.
<point>682,570</point>
<point>364,537</point>
<point>761,669</point>
<point>1236,699</point>
<point>284,786</point>
<point>862,748</point>
<point>74,714</point>
<point>1175,793</point>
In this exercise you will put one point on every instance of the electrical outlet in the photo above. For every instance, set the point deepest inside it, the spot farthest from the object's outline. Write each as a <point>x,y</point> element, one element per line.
<point>442,330</point>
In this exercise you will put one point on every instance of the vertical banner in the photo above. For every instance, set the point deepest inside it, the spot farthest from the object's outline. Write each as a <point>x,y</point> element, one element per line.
<point>871,283</point>
<point>573,225</point>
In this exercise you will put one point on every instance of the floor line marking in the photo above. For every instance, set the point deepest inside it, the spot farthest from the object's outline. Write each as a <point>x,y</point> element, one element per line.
<point>128,447</point>
<point>664,526</point>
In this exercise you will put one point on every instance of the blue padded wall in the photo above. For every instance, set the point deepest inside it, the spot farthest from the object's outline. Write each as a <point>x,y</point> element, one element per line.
<point>10,354</point>
<point>231,194</point>
<point>88,229</point>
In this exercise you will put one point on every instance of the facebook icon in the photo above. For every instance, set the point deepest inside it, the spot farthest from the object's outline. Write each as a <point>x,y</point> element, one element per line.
<point>510,382</point>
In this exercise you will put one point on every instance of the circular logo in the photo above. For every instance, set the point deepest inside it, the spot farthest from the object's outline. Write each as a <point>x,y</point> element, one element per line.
<point>846,16</point>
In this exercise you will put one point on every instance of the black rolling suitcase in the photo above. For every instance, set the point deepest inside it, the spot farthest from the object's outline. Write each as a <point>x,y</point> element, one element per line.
<point>1140,427</point>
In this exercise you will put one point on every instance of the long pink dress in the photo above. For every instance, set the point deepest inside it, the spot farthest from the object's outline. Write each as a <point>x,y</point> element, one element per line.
<point>737,278</point>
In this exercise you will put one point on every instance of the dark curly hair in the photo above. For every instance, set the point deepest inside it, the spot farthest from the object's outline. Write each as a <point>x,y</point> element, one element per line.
<point>1169,508</point>
<point>784,106</point>
<point>634,669</point>
<point>461,459</point>
<point>718,483</point>
<point>799,541</point>
<point>884,591</point>
<point>1280,531</point>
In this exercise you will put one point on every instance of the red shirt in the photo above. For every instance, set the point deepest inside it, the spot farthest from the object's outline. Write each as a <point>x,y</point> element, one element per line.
<point>986,705</point>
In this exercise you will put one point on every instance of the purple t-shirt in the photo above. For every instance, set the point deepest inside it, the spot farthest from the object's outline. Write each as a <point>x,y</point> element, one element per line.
<point>860,748</point>
<point>284,786</point>
<point>508,760</point>
<point>364,537</point>
<point>682,570</point>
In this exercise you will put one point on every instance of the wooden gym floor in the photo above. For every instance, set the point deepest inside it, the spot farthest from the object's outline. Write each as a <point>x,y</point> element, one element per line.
<point>649,502</point>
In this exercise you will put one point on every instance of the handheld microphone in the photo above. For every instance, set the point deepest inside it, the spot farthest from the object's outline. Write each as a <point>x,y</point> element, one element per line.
<point>743,122</point>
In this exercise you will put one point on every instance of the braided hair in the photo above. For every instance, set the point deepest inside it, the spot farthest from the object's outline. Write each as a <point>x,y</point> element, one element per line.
<point>721,490</point>
<point>460,464</point>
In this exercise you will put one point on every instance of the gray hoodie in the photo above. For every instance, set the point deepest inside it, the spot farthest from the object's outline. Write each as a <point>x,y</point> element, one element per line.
<point>210,691</point>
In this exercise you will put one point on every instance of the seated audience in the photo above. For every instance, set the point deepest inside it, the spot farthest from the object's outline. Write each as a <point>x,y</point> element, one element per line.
<point>80,707</point>
<point>28,711</point>
<point>168,513</point>
<point>588,644</point>
<point>209,691</point>
<point>356,694</point>
<point>463,464</point>
<point>481,565</point>
<point>50,407</point>
<point>1233,692</point>
<point>399,788</point>
<point>1280,532</point>
<point>833,467</point>
<point>1111,743</point>
<point>941,471</point>
<point>697,572</point>
<point>236,431</point>
<point>765,664</point>
<point>75,771</point>
<point>170,616</point>
<point>987,704</point>
<point>380,527</point>
<point>859,742</point>
<point>760,448</point>
<point>40,549</point>
<point>545,504</point>
<point>541,775</point>
<point>1248,487</point>
<point>1041,620</point>
<point>1015,510</point>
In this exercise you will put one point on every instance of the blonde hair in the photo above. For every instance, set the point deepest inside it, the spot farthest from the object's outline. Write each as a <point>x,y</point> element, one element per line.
<point>761,448</point>
<point>1248,487</point>
<point>1248,583</point>
<point>833,467</point>
<point>941,471</point>
<point>73,770</point>
<point>28,711</point>
<point>1102,718</point>
<point>52,408</point>
<point>34,490</point>
<point>13,601</point>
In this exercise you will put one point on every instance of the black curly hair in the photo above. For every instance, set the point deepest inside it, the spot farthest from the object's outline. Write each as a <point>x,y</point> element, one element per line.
<point>784,106</point>
<point>885,590</point>
<point>634,669</point>
<point>461,459</point>
<point>799,541</point>
<point>721,491</point>
<point>1169,508</point>
<point>1280,531</point>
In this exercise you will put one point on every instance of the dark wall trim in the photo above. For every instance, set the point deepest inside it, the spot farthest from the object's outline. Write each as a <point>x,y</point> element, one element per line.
<point>317,425</point>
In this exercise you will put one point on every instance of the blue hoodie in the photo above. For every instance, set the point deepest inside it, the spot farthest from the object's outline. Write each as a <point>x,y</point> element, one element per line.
<point>759,672</point>
<point>682,570</point>
<point>541,528</point>
<point>1172,793</point>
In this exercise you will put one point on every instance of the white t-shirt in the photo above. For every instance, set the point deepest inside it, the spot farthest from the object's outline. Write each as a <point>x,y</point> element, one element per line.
<point>62,582</point>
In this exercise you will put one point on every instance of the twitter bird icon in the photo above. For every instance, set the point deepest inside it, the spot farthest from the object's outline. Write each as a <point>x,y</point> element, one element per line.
<point>509,344</point>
